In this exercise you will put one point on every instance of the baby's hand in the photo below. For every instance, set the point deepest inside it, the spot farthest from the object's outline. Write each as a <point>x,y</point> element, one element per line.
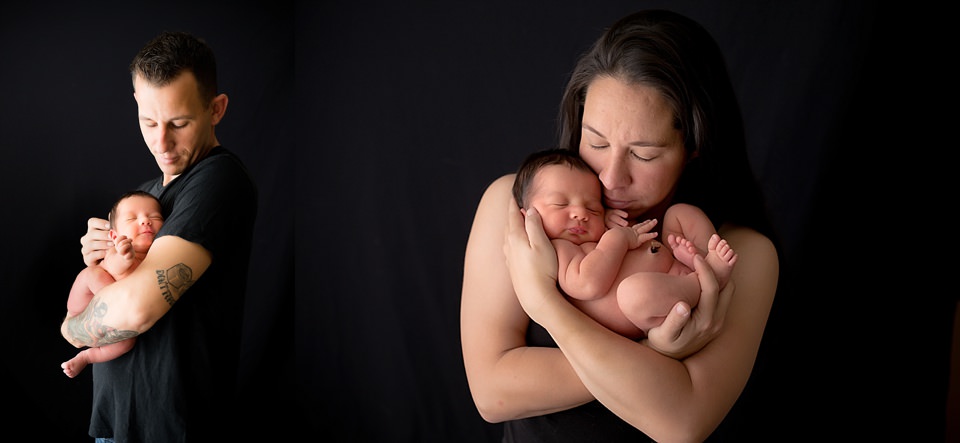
<point>615,218</point>
<point>125,247</point>
<point>642,232</point>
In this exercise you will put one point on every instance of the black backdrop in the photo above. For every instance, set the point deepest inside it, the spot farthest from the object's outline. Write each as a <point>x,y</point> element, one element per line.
<point>71,144</point>
<point>372,130</point>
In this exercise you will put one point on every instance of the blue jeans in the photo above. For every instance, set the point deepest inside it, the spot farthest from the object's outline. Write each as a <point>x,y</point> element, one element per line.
<point>103,440</point>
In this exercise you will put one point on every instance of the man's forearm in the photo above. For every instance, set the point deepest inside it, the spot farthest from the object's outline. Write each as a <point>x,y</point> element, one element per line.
<point>87,328</point>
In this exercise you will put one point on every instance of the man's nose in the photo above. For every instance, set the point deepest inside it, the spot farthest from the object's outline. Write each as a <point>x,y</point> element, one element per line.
<point>164,139</point>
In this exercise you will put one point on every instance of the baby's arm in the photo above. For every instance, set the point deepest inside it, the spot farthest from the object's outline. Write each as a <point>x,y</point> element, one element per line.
<point>689,232</point>
<point>589,271</point>
<point>121,258</point>
<point>689,222</point>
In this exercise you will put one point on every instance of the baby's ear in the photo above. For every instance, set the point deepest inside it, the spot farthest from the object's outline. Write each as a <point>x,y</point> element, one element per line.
<point>523,212</point>
<point>113,235</point>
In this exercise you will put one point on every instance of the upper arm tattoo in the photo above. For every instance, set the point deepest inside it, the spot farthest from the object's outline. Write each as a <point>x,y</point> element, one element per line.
<point>174,281</point>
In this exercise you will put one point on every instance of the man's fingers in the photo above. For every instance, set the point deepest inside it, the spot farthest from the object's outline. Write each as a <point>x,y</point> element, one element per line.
<point>97,223</point>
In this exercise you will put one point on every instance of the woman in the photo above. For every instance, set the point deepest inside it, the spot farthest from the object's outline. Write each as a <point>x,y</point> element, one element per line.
<point>651,109</point>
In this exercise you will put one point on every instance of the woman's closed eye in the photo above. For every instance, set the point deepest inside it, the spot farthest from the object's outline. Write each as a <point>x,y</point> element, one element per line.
<point>640,157</point>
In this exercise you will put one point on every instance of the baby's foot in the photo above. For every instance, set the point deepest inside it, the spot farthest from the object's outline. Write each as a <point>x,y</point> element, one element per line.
<point>683,250</point>
<point>73,366</point>
<point>721,258</point>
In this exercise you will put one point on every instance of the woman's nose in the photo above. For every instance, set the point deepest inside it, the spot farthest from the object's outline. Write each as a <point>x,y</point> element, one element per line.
<point>614,173</point>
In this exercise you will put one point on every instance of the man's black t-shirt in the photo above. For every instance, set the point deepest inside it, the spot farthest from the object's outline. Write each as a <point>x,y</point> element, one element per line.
<point>178,382</point>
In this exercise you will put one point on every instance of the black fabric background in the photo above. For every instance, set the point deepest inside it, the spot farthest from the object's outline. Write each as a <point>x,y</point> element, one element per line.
<point>372,128</point>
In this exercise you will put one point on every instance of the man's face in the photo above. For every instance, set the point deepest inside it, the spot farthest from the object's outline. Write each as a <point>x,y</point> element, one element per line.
<point>176,124</point>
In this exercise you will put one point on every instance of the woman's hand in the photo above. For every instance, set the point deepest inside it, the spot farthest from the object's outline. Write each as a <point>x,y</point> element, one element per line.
<point>681,334</point>
<point>96,241</point>
<point>531,259</point>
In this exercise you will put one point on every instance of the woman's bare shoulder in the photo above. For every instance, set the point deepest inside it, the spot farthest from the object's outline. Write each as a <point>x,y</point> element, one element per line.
<point>502,183</point>
<point>758,263</point>
<point>497,192</point>
<point>749,239</point>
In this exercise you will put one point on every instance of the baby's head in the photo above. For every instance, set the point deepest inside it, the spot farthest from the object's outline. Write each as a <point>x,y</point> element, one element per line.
<point>566,193</point>
<point>136,215</point>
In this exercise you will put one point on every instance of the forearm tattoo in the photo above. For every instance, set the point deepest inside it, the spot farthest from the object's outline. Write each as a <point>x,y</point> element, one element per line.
<point>88,327</point>
<point>174,281</point>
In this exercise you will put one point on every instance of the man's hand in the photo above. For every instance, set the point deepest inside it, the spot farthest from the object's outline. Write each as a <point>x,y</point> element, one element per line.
<point>96,241</point>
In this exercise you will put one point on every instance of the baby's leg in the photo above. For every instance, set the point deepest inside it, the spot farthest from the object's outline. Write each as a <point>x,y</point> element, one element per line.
<point>720,255</point>
<point>101,354</point>
<point>647,297</point>
<point>88,282</point>
<point>76,364</point>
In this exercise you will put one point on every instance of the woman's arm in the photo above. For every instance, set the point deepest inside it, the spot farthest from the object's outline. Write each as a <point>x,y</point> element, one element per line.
<point>668,399</point>
<point>507,379</point>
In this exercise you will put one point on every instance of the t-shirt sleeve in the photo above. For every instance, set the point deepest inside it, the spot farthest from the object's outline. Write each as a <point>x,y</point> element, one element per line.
<point>213,198</point>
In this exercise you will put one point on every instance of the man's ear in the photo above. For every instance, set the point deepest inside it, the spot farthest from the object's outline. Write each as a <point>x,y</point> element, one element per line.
<point>218,107</point>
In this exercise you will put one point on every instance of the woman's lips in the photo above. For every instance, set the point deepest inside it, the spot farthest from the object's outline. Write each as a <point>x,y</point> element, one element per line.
<point>615,204</point>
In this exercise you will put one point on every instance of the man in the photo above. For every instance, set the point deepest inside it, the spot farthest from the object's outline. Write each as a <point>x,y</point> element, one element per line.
<point>178,383</point>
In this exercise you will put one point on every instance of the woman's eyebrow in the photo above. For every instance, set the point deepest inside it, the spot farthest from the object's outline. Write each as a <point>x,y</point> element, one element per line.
<point>591,129</point>
<point>650,144</point>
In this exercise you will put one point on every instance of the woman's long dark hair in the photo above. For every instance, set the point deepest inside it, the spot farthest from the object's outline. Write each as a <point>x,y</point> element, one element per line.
<point>677,56</point>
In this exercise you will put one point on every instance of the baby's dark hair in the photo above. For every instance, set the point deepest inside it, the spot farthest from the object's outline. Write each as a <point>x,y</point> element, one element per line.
<point>536,161</point>
<point>126,195</point>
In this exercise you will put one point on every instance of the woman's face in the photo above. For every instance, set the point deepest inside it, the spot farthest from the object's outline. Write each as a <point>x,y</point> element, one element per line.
<point>628,138</point>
